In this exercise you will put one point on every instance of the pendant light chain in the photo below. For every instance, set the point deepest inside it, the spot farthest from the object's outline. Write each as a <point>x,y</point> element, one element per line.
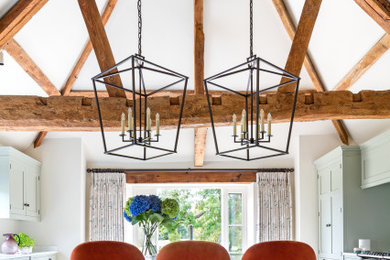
<point>250,28</point>
<point>139,28</point>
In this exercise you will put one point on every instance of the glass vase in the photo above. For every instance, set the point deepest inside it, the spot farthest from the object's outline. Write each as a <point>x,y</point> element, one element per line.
<point>149,248</point>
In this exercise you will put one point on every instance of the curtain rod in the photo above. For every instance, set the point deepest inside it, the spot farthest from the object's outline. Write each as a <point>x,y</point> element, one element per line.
<point>99,170</point>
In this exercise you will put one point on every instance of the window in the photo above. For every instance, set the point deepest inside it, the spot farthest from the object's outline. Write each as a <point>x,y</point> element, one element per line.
<point>199,217</point>
<point>235,219</point>
<point>216,213</point>
<point>235,223</point>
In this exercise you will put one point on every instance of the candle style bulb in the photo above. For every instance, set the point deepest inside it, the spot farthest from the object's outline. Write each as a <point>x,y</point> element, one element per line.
<point>242,128</point>
<point>269,124</point>
<point>148,121</point>
<point>262,120</point>
<point>234,124</point>
<point>129,118</point>
<point>243,118</point>
<point>123,118</point>
<point>158,124</point>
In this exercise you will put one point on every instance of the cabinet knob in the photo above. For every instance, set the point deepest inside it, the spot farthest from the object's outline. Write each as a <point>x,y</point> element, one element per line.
<point>328,225</point>
<point>26,205</point>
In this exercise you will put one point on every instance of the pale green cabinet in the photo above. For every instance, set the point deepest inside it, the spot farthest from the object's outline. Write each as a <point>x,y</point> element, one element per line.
<point>346,211</point>
<point>335,170</point>
<point>19,185</point>
<point>375,161</point>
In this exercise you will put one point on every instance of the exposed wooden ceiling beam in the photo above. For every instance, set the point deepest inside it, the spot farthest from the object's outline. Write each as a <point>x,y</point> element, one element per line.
<point>382,7</point>
<point>80,63</point>
<point>17,17</point>
<point>379,10</point>
<point>198,47</point>
<point>200,144</point>
<point>365,63</point>
<point>30,113</point>
<point>29,66</point>
<point>86,51</point>
<point>191,177</point>
<point>291,30</point>
<point>100,43</point>
<point>24,60</point>
<point>310,68</point>
<point>342,131</point>
<point>39,139</point>
<point>301,41</point>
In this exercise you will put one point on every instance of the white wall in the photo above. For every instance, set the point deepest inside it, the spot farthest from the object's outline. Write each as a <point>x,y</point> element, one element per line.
<point>62,196</point>
<point>309,149</point>
<point>8,226</point>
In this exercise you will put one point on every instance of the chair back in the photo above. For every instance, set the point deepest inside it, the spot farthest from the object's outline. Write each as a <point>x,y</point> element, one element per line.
<point>106,250</point>
<point>280,250</point>
<point>193,250</point>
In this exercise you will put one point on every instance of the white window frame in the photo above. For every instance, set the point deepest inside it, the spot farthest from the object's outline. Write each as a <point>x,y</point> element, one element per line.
<point>131,233</point>
<point>239,189</point>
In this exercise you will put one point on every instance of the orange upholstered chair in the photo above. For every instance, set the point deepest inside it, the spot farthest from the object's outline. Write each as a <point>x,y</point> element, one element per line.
<point>193,250</point>
<point>280,250</point>
<point>103,250</point>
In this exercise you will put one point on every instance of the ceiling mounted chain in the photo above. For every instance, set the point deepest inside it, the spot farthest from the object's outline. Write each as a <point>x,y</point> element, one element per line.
<point>139,28</point>
<point>250,28</point>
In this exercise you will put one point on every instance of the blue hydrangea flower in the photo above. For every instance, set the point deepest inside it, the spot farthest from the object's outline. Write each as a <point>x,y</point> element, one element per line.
<point>139,204</point>
<point>155,203</point>
<point>126,216</point>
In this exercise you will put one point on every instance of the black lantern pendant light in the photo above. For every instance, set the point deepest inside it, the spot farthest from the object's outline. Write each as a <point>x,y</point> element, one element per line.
<point>254,141</point>
<point>139,137</point>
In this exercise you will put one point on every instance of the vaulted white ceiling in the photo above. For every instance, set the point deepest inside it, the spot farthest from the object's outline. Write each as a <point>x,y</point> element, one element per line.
<point>56,35</point>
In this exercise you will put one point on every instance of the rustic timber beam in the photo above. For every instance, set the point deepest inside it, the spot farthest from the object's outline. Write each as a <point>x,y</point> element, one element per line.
<point>200,144</point>
<point>378,10</point>
<point>39,139</point>
<point>301,41</point>
<point>191,177</point>
<point>198,47</point>
<point>100,43</point>
<point>24,60</point>
<point>365,63</point>
<point>17,17</point>
<point>80,63</point>
<point>32,69</point>
<point>288,24</point>
<point>342,131</point>
<point>310,68</point>
<point>86,51</point>
<point>30,113</point>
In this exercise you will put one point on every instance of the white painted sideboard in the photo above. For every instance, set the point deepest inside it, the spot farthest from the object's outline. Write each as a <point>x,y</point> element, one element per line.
<point>376,161</point>
<point>19,185</point>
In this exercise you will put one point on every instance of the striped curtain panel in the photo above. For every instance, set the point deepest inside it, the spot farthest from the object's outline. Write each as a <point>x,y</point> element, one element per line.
<point>275,206</point>
<point>106,206</point>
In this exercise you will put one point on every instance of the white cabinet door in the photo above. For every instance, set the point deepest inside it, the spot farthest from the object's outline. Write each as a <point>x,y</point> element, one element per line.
<point>16,189</point>
<point>337,213</point>
<point>325,214</point>
<point>325,222</point>
<point>31,194</point>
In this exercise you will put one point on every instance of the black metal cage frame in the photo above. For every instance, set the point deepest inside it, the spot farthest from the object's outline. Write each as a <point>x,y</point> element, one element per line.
<point>253,91</point>
<point>139,91</point>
